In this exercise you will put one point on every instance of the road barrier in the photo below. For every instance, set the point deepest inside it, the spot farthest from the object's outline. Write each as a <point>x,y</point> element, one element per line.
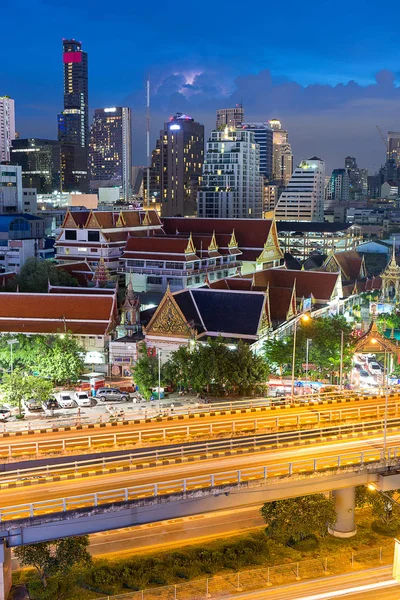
<point>173,433</point>
<point>212,449</point>
<point>251,477</point>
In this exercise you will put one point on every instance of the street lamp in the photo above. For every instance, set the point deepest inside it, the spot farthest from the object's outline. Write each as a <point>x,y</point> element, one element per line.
<point>386,383</point>
<point>305,318</point>
<point>159,380</point>
<point>11,343</point>
<point>341,360</point>
<point>307,354</point>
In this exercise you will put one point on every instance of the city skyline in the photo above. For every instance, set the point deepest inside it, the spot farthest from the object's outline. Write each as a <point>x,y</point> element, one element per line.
<point>308,91</point>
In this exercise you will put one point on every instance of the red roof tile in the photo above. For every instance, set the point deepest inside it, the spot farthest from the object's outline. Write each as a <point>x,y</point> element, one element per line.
<point>319,284</point>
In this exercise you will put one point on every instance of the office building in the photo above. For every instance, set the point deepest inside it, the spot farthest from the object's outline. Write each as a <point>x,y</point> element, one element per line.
<point>7,126</point>
<point>338,188</point>
<point>73,122</point>
<point>10,189</point>
<point>232,186</point>
<point>393,147</point>
<point>110,155</point>
<point>282,163</point>
<point>263,136</point>
<point>230,117</point>
<point>303,198</point>
<point>40,163</point>
<point>182,157</point>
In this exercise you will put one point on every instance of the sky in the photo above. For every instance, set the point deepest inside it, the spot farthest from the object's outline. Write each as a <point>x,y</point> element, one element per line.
<point>328,70</point>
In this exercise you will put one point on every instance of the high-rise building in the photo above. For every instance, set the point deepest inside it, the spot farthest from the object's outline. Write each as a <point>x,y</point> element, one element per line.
<point>358,178</point>
<point>282,164</point>
<point>40,162</point>
<point>155,176</point>
<point>73,122</point>
<point>11,196</point>
<point>232,186</point>
<point>231,117</point>
<point>303,198</point>
<point>110,156</point>
<point>7,126</point>
<point>338,188</point>
<point>393,147</point>
<point>263,136</point>
<point>181,164</point>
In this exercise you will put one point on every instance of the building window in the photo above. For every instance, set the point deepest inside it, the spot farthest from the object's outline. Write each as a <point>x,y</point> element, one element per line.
<point>154,280</point>
<point>70,234</point>
<point>93,236</point>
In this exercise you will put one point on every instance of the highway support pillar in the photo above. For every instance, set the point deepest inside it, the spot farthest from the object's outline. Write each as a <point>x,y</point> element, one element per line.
<point>345,500</point>
<point>5,571</point>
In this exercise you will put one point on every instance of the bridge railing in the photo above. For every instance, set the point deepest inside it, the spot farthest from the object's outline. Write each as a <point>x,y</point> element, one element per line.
<point>208,449</point>
<point>253,476</point>
<point>170,433</point>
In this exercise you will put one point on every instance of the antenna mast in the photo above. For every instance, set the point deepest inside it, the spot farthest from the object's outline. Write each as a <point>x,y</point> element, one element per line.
<point>148,141</point>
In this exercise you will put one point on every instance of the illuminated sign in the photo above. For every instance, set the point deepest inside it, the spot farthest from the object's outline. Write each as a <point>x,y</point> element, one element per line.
<point>110,110</point>
<point>72,57</point>
<point>174,127</point>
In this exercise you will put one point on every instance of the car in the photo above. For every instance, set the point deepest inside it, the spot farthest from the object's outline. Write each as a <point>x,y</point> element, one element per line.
<point>5,413</point>
<point>32,405</point>
<point>65,400</point>
<point>50,404</point>
<point>82,399</point>
<point>111,394</point>
<point>367,380</point>
<point>374,368</point>
<point>364,373</point>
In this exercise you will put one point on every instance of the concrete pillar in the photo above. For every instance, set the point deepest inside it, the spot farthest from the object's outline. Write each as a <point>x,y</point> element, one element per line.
<point>344,504</point>
<point>5,571</point>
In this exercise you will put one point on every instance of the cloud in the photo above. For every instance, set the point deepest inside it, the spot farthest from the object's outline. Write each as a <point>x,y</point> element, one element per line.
<point>330,120</point>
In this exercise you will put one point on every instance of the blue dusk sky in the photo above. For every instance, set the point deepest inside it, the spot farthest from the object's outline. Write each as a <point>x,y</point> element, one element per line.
<point>328,70</point>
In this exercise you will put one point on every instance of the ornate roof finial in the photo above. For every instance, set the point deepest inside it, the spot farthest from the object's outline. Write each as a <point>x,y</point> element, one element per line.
<point>102,274</point>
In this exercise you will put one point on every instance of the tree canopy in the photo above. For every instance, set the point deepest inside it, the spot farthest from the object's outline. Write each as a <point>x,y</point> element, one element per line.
<point>35,276</point>
<point>383,506</point>
<point>55,558</point>
<point>324,347</point>
<point>217,366</point>
<point>146,373</point>
<point>295,519</point>
<point>17,386</point>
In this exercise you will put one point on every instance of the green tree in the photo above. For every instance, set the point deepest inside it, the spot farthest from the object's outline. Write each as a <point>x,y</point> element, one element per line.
<point>294,519</point>
<point>15,387</point>
<point>35,275</point>
<point>383,506</point>
<point>146,373</point>
<point>55,558</point>
<point>278,354</point>
<point>60,359</point>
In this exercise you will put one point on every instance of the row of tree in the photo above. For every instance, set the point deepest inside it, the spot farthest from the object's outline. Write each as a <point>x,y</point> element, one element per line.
<point>35,276</point>
<point>214,367</point>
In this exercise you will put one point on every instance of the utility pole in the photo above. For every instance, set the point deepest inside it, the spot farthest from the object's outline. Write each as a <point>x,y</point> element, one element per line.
<point>148,140</point>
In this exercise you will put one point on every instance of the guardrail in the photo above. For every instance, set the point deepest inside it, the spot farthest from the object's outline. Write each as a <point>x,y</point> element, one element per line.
<point>252,477</point>
<point>100,441</point>
<point>100,465</point>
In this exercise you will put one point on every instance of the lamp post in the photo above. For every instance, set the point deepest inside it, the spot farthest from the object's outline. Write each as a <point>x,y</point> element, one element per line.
<point>304,317</point>
<point>307,355</point>
<point>159,381</point>
<point>386,384</point>
<point>341,360</point>
<point>11,343</point>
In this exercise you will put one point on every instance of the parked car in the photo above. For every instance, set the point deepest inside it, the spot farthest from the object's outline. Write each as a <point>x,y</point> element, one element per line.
<point>82,399</point>
<point>5,413</point>
<point>366,379</point>
<point>50,404</point>
<point>111,394</point>
<point>66,400</point>
<point>374,368</point>
<point>32,405</point>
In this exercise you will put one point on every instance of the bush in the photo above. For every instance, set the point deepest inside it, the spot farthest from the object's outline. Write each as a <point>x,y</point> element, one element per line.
<point>105,578</point>
<point>308,544</point>
<point>390,530</point>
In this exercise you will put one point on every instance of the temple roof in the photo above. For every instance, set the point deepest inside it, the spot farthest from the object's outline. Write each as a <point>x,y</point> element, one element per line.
<point>318,284</point>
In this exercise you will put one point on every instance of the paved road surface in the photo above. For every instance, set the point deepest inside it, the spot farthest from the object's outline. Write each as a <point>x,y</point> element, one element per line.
<point>334,587</point>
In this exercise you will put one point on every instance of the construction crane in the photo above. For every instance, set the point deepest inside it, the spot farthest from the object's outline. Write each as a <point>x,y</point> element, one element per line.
<point>383,138</point>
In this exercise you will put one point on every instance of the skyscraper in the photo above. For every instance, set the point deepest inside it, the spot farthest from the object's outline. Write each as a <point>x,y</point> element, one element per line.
<point>231,183</point>
<point>40,162</point>
<point>231,117</point>
<point>7,126</point>
<point>338,188</point>
<point>110,156</point>
<point>393,147</point>
<point>282,154</point>
<point>182,157</point>
<point>73,122</point>
<point>303,198</point>
<point>263,136</point>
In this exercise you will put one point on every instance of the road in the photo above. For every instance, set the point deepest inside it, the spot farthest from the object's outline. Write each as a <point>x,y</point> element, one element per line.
<point>170,473</point>
<point>374,584</point>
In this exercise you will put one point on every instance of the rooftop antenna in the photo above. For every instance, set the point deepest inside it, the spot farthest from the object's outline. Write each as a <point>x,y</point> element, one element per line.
<point>148,139</point>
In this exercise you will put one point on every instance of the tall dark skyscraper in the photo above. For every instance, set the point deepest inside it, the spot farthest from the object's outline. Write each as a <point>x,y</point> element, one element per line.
<point>182,157</point>
<point>40,162</point>
<point>110,150</point>
<point>73,122</point>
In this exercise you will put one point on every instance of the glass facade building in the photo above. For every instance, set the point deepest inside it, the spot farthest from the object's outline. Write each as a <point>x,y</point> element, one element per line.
<point>40,162</point>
